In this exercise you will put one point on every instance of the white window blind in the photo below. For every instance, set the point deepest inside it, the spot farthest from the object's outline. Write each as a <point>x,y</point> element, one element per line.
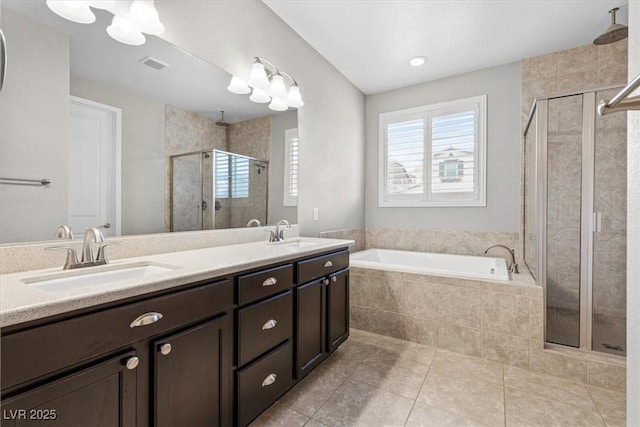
<point>434,155</point>
<point>291,167</point>
<point>231,176</point>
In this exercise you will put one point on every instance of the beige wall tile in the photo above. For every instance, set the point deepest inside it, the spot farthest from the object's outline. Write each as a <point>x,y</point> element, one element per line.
<point>506,349</point>
<point>537,67</point>
<point>577,81</point>
<point>460,339</point>
<point>606,375</point>
<point>564,366</point>
<point>537,319</point>
<point>612,63</point>
<point>579,59</point>
<point>506,314</point>
<point>421,331</point>
<point>377,292</point>
<point>460,306</point>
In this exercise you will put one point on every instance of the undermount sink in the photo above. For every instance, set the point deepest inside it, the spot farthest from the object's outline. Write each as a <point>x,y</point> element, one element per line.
<point>296,243</point>
<point>77,279</point>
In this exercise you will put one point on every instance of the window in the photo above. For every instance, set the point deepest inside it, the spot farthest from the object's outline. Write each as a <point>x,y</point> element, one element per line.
<point>231,176</point>
<point>434,155</point>
<point>290,167</point>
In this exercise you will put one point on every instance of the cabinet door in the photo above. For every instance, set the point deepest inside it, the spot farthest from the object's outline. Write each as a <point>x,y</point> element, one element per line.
<point>337,309</point>
<point>311,326</point>
<point>102,395</point>
<point>193,376</point>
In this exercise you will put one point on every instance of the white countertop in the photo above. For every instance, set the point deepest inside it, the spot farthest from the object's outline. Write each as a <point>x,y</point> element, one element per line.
<point>22,302</point>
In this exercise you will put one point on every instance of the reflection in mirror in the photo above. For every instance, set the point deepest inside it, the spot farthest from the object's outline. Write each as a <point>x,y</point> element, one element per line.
<point>102,121</point>
<point>216,189</point>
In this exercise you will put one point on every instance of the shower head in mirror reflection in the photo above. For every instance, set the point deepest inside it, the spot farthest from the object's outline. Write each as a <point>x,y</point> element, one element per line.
<point>268,85</point>
<point>128,24</point>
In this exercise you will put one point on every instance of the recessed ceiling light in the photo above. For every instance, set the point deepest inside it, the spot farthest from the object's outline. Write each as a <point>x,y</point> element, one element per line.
<point>417,61</point>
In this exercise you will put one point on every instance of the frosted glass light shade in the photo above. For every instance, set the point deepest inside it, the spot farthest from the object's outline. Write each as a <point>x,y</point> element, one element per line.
<point>76,11</point>
<point>124,32</point>
<point>102,4</point>
<point>278,104</point>
<point>239,86</point>
<point>260,96</point>
<point>144,15</point>
<point>277,88</point>
<point>258,77</point>
<point>294,99</point>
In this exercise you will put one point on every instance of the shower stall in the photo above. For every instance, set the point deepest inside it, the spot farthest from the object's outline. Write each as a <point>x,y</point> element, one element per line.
<point>217,189</point>
<point>575,219</point>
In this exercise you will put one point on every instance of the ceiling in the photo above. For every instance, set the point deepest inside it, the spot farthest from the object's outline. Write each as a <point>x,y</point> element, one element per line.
<point>370,42</point>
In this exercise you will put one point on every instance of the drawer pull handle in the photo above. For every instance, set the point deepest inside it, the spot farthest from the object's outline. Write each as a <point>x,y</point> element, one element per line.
<point>269,324</point>
<point>270,281</point>
<point>325,282</point>
<point>146,319</point>
<point>132,363</point>
<point>334,279</point>
<point>271,378</point>
<point>328,264</point>
<point>165,349</point>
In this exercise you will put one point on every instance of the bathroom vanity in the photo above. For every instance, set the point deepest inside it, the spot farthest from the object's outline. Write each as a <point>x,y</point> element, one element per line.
<point>196,345</point>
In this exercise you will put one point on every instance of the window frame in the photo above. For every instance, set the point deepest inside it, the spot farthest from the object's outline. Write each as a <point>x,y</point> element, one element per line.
<point>287,198</point>
<point>426,113</point>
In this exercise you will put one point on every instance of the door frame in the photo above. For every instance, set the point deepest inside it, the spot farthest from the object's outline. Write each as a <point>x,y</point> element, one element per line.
<point>116,113</point>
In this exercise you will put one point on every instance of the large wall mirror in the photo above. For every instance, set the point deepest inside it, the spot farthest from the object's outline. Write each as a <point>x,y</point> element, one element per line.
<point>130,138</point>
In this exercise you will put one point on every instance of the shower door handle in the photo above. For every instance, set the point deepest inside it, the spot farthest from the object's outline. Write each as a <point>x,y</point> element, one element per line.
<point>597,222</point>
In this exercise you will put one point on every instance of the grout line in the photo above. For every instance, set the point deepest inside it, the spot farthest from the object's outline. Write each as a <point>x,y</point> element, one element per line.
<point>419,390</point>
<point>504,395</point>
<point>596,406</point>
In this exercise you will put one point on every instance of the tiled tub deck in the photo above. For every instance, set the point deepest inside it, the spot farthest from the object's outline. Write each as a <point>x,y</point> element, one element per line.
<point>501,322</point>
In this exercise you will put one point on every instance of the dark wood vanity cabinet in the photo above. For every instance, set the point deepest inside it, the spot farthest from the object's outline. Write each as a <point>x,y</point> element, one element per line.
<point>165,360</point>
<point>322,309</point>
<point>217,352</point>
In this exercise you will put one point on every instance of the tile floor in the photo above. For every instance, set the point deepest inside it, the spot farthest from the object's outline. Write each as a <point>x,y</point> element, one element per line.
<point>373,380</point>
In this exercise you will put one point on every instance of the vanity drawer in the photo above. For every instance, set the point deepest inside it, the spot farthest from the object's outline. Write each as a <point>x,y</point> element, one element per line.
<point>263,382</point>
<point>36,352</point>
<point>263,325</point>
<point>321,266</point>
<point>258,285</point>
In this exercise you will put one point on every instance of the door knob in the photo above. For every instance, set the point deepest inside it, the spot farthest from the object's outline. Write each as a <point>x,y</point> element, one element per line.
<point>106,225</point>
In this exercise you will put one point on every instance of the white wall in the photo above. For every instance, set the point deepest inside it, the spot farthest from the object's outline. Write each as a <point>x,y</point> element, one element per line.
<point>143,163</point>
<point>633,228</point>
<point>331,124</point>
<point>34,130</point>
<point>502,86</point>
<point>277,211</point>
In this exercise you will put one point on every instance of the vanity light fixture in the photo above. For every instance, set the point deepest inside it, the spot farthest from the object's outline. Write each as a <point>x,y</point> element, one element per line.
<point>141,18</point>
<point>268,84</point>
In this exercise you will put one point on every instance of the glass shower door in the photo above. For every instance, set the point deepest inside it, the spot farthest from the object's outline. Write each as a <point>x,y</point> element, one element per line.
<point>564,187</point>
<point>609,237</point>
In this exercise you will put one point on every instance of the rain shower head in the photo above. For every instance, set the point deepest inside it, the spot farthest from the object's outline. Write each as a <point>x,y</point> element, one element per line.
<point>221,122</point>
<point>614,33</point>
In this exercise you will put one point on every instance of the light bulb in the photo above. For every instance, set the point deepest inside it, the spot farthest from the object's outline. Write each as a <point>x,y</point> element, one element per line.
<point>124,32</point>
<point>258,76</point>
<point>294,99</point>
<point>145,16</point>
<point>260,96</point>
<point>278,104</point>
<point>277,88</point>
<point>76,11</point>
<point>239,86</point>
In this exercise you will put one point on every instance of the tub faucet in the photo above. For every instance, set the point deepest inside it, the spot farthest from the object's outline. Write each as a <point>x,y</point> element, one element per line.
<point>513,267</point>
<point>252,222</point>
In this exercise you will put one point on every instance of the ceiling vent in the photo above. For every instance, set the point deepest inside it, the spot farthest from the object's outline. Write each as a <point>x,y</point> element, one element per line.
<point>154,63</point>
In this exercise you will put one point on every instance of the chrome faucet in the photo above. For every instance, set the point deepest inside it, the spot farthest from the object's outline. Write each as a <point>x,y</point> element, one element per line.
<point>280,233</point>
<point>513,267</point>
<point>63,232</point>
<point>91,235</point>
<point>252,222</point>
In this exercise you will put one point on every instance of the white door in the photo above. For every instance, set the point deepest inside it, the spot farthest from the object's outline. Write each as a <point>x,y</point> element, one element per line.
<point>94,167</point>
